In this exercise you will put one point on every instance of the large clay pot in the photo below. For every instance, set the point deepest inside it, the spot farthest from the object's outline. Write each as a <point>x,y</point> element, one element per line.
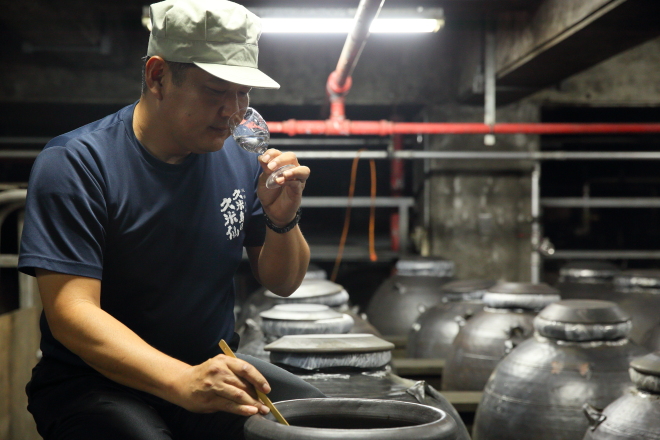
<point>587,280</point>
<point>353,419</point>
<point>292,319</point>
<point>249,322</point>
<point>485,339</point>
<point>315,272</point>
<point>579,354</point>
<point>636,414</point>
<point>639,295</point>
<point>399,301</point>
<point>434,331</point>
<point>354,366</point>
<point>651,340</point>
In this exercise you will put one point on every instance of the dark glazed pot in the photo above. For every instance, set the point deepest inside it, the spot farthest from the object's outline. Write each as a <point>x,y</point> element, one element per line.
<point>636,414</point>
<point>347,366</point>
<point>587,280</point>
<point>486,338</point>
<point>314,272</point>
<point>638,294</point>
<point>579,354</point>
<point>249,322</point>
<point>434,331</point>
<point>352,419</point>
<point>398,302</point>
<point>651,340</point>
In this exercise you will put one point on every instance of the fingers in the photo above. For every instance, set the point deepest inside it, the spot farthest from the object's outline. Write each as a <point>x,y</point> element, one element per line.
<point>234,400</point>
<point>294,177</point>
<point>247,371</point>
<point>273,159</point>
<point>228,384</point>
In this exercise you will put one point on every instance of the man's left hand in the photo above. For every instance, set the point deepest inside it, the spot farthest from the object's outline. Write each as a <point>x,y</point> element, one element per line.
<point>280,204</point>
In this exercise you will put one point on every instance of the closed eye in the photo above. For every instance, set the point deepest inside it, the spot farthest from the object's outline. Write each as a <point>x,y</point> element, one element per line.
<point>216,92</point>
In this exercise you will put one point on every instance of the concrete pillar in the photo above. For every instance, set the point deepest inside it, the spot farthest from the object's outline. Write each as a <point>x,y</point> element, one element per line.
<point>480,209</point>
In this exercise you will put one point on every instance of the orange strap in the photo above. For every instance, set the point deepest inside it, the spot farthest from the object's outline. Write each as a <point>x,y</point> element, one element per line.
<point>347,218</point>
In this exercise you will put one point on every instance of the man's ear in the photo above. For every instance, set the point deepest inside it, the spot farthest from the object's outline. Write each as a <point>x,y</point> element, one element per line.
<point>154,72</point>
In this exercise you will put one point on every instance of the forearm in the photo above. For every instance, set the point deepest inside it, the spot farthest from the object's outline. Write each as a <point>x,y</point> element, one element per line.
<point>283,261</point>
<point>114,350</point>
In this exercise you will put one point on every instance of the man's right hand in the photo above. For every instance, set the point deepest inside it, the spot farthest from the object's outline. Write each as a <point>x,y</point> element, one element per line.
<point>222,383</point>
<point>73,308</point>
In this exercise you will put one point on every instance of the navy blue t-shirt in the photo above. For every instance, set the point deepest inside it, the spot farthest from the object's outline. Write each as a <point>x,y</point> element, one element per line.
<point>164,239</point>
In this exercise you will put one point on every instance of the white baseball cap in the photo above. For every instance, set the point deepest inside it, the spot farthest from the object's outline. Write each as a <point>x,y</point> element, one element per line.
<point>218,36</point>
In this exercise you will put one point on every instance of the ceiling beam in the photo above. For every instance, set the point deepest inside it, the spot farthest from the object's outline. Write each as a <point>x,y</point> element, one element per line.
<point>541,48</point>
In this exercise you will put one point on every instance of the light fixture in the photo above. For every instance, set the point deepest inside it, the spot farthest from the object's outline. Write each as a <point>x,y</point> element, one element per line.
<point>146,19</point>
<point>344,25</point>
<point>340,21</point>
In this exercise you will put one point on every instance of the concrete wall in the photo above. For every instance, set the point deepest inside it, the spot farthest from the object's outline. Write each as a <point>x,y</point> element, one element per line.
<point>628,79</point>
<point>480,209</point>
<point>405,69</point>
<point>19,342</point>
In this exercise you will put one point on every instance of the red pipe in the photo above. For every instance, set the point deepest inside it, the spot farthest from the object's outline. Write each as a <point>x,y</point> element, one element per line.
<point>397,179</point>
<point>345,127</point>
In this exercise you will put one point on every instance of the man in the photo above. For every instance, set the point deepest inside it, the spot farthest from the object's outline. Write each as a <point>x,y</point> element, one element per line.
<point>135,226</point>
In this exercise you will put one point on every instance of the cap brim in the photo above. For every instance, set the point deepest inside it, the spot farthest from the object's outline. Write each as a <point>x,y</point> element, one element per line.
<point>245,76</point>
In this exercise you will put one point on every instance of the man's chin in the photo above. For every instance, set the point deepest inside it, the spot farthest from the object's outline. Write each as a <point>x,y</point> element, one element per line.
<point>214,144</point>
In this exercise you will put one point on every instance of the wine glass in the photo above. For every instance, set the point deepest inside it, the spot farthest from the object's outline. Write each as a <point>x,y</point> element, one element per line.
<point>251,133</point>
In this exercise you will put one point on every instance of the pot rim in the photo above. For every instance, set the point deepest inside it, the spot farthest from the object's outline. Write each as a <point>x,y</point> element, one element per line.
<point>445,422</point>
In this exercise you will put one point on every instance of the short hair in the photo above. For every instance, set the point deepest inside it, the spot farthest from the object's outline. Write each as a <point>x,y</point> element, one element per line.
<point>178,72</point>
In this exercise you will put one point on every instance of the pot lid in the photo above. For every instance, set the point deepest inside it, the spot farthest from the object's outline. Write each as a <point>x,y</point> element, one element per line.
<point>311,289</point>
<point>643,278</point>
<point>467,286</point>
<point>425,266</point>
<point>300,312</point>
<point>648,364</point>
<point>523,289</point>
<point>342,343</point>
<point>314,272</point>
<point>588,269</point>
<point>584,311</point>
<point>532,296</point>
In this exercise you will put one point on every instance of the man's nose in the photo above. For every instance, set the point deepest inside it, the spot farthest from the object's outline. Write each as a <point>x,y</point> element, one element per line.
<point>231,105</point>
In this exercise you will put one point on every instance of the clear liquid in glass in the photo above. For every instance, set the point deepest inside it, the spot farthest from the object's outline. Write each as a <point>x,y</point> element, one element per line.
<point>252,135</point>
<point>252,143</point>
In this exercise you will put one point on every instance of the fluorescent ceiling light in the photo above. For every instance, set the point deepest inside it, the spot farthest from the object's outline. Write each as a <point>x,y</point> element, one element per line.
<point>287,20</point>
<point>345,25</point>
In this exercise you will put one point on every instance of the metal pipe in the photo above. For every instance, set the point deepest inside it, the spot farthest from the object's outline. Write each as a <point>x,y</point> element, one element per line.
<point>357,202</point>
<point>19,154</point>
<point>12,196</point>
<point>30,140</point>
<point>443,155</point>
<point>339,82</point>
<point>604,255</point>
<point>366,12</point>
<point>397,182</point>
<point>345,127</point>
<point>489,81</point>
<point>601,202</point>
<point>484,155</point>
<point>536,224</point>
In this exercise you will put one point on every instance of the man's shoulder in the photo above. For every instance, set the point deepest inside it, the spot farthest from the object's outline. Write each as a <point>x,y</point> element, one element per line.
<point>96,134</point>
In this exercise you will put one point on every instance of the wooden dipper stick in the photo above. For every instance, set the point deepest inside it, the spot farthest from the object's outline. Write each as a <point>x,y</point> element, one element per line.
<point>228,352</point>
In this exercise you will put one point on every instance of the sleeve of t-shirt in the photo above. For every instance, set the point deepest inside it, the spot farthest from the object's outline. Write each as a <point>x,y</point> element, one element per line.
<point>255,228</point>
<point>65,215</point>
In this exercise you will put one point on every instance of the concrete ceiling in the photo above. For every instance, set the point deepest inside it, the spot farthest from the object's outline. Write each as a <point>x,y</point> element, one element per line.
<point>541,47</point>
<point>82,23</point>
<point>48,43</point>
